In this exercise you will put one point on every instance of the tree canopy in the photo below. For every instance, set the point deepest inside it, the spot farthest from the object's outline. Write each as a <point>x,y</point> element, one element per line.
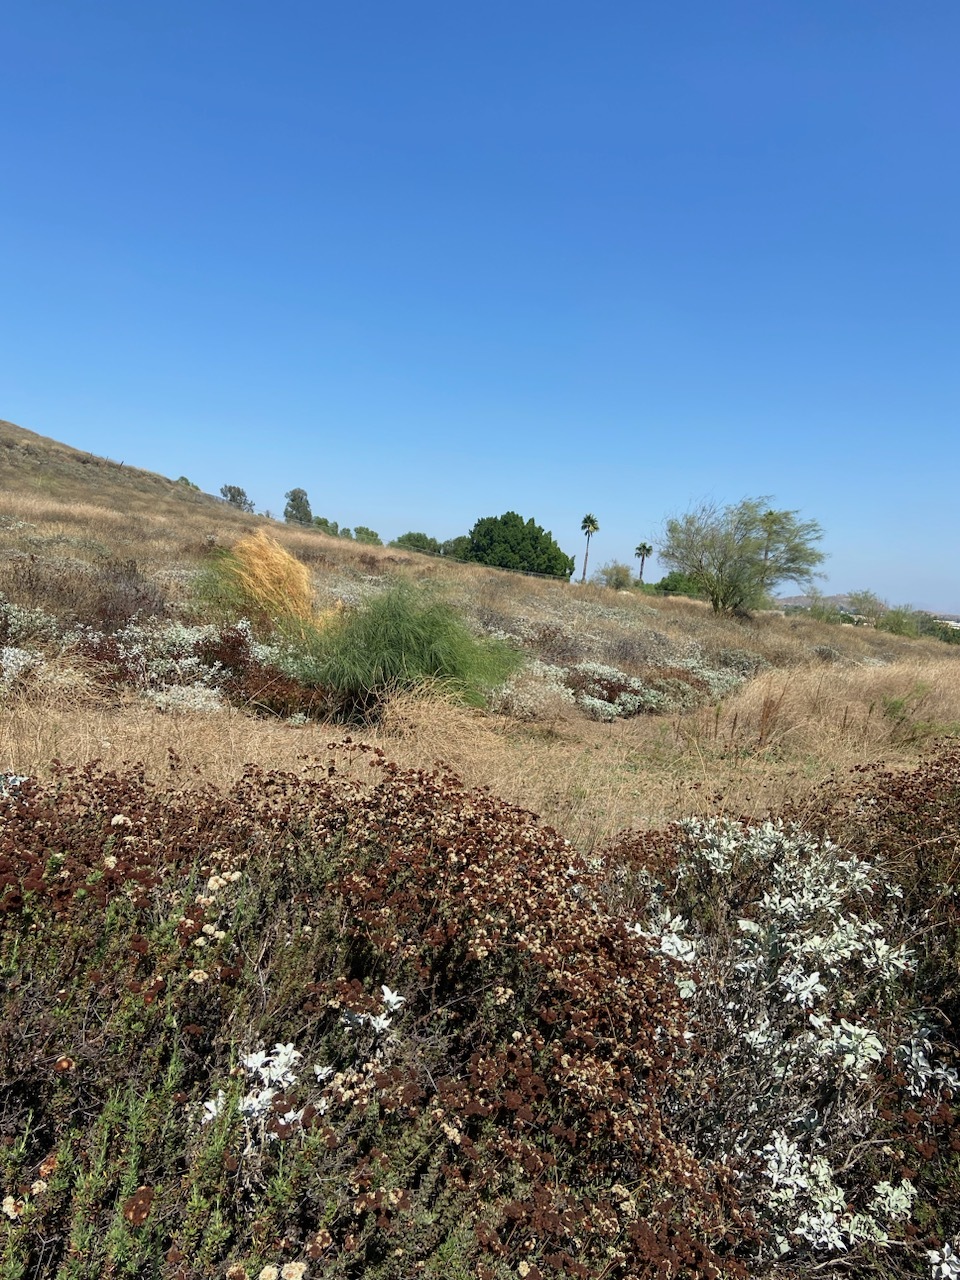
<point>737,554</point>
<point>369,537</point>
<point>510,542</point>
<point>329,527</point>
<point>297,510</point>
<point>614,574</point>
<point>414,541</point>
<point>236,497</point>
<point>456,548</point>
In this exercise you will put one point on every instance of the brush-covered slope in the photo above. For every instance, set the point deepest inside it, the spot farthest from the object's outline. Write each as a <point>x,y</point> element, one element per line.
<point>32,464</point>
<point>625,709</point>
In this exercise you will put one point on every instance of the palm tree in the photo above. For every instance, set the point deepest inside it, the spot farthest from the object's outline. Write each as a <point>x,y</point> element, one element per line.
<point>643,550</point>
<point>589,525</point>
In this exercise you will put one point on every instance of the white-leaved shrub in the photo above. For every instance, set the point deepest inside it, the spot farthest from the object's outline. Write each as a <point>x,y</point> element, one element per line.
<point>535,692</point>
<point>186,697</point>
<point>15,665</point>
<point>789,957</point>
<point>606,693</point>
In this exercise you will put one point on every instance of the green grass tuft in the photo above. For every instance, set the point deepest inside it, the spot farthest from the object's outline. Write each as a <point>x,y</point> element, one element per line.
<point>400,640</point>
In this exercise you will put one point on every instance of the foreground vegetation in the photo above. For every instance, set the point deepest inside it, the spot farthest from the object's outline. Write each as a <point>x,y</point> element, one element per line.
<point>362,1021</point>
<point>285,996</point>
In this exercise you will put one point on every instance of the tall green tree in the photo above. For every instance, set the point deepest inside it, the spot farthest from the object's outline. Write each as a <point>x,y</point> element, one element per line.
<point>369,537</point>
<point>588,525</point>
<point>297,510</point>
<point>414,541</point>
<point>236,497</point>
<point>510,542</point>
<point>457,548</point>
<point>643,550</point>
<point>866,604</point>
<point>737,554</point>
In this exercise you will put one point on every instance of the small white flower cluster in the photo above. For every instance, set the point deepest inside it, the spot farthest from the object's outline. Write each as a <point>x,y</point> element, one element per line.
<point>213,1107</point>
<point>275,1069</point>
<point>379,1023</point>
<point>272,1072</point>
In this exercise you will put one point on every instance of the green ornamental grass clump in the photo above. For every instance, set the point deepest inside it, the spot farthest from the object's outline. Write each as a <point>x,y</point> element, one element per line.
<point>399,640</point>
<point>352,659</point>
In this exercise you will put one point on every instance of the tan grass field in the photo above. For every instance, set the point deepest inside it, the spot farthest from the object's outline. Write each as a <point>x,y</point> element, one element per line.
<point>827,698</point>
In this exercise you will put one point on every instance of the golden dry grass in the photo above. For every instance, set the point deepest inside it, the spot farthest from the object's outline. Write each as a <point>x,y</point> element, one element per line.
<point>587,779</point>
<point>269,582</point>
<point>838,712</point>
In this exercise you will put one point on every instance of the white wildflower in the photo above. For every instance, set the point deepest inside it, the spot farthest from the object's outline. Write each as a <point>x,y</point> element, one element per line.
<point>944,1263</point>
<point>213,1107</point>
<point>255,1061</point>
<point>281,1064</point>
<point>257,1102</point>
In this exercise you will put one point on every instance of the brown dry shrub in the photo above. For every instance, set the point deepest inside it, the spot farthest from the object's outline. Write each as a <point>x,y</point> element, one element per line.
<point>107,593</point>
<point>517,1100</point>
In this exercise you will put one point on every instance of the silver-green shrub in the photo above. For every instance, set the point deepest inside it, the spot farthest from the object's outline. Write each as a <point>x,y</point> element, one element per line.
<point>792,958</point>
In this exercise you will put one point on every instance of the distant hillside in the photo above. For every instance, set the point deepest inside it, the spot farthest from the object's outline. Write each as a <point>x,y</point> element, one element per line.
<point>31,463</point>
<point>842,602</point>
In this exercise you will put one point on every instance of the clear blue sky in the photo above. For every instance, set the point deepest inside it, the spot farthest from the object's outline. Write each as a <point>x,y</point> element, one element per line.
<point>433,261</point>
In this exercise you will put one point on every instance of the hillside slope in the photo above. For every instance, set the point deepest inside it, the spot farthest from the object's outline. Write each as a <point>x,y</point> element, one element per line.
<point>31,463</point>
<point>630,709</point>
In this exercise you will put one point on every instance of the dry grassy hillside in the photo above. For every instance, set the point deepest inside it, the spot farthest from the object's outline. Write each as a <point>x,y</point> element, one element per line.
<point>749,712</point>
